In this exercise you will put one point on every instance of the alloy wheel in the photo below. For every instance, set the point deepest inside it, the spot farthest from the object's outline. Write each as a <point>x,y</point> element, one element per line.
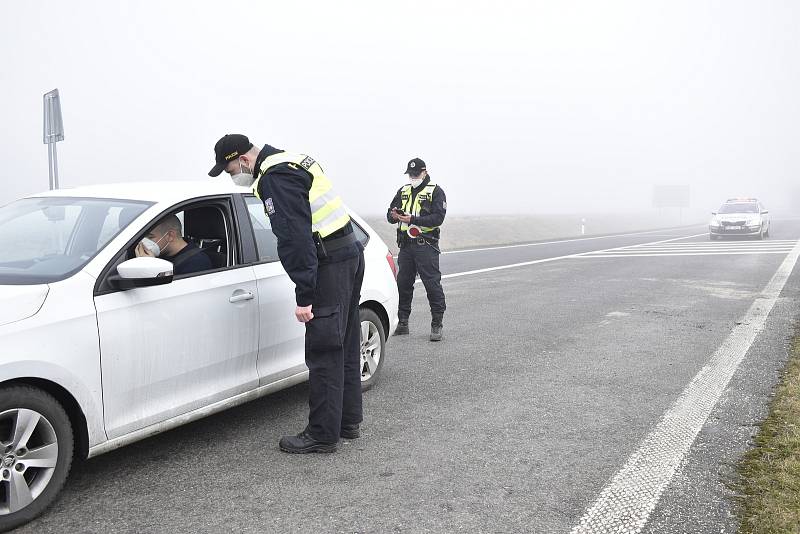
<point>28,457</point>
<point>370,349</point>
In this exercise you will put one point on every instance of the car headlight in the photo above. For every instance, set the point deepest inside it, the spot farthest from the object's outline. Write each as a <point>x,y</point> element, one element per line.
<point>714,222</point>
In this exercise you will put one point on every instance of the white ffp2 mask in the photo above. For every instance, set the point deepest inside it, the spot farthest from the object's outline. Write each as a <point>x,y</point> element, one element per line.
<point>152,246</point>
<point>243,178</point>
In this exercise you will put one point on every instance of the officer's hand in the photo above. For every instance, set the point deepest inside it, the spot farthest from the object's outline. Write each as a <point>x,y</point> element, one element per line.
<point>404,218</point>
<point>395,215</point>
<point>303,313</point>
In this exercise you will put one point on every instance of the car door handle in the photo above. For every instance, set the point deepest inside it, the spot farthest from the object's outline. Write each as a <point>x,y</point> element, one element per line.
<point>239,296</point>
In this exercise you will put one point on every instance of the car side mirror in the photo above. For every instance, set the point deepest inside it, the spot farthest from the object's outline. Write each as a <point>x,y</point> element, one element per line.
<point>142,272</point>
<point>764,212</point>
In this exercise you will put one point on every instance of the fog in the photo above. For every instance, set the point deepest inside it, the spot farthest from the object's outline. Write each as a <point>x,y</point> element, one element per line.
<point>517,107</point>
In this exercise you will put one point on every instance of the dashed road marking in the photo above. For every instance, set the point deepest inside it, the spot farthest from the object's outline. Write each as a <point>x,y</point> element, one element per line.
<point>625,504</point>
<point>573,240</point>
<point>547,260</point>
<point>694,249</point>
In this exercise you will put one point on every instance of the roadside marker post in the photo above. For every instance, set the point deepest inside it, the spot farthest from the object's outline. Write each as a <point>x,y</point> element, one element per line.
<point>53,132</point>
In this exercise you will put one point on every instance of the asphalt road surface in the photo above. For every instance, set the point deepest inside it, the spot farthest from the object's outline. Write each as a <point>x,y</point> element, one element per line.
<point>595,385</point>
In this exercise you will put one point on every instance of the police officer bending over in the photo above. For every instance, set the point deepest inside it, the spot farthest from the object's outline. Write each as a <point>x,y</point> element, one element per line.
<point>419,208</point>
<point>320,253</point>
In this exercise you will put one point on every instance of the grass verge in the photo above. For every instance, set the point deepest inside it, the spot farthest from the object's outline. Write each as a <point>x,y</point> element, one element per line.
<point>769,486</point>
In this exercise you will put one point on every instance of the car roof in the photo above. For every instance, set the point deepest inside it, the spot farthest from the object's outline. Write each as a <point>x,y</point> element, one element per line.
<point>161,191</point>
<point>740,200</point>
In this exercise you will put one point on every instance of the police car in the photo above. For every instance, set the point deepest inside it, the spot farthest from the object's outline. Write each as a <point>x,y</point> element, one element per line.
<point>740,217</point>
<point>101,348</point>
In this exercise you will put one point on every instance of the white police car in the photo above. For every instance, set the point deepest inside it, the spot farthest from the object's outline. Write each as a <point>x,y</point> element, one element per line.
<point>101,348</point>
<point>740,217</point>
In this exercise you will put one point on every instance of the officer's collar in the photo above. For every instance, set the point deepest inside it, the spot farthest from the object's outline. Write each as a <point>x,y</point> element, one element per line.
<point>266,152</point>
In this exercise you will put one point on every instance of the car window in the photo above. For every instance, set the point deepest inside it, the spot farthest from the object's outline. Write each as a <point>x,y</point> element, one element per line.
<point>43,240</point>
<point>200,243</point>
<point>266,242</point>
<point>361,234</point>
<point>739,207</point>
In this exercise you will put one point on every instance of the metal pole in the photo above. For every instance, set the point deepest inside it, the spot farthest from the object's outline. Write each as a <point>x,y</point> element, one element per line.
<point>55,166</point>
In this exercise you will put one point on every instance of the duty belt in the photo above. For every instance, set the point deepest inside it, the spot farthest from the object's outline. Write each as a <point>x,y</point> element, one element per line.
<point>339,242</point>
<point>419,240</point>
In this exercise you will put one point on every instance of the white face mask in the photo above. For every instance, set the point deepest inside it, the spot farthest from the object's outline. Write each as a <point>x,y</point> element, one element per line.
<point>244,176</point>
<point>415,182</point>
<point>152,246</point>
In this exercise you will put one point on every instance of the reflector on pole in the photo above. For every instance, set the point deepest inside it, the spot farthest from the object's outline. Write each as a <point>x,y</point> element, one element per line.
<point>53,132</point>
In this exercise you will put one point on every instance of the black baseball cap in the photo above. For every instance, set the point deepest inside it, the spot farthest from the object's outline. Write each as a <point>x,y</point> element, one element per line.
<point>415,166</point>
<point>229,147</point>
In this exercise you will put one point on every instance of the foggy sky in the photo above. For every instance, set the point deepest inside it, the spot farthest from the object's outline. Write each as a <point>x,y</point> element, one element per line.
<point>517,107</point>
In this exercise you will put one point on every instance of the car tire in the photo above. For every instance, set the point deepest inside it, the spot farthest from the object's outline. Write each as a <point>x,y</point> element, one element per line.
<point>44,436</point>
<point>712,237</point>
<point>373,347</point>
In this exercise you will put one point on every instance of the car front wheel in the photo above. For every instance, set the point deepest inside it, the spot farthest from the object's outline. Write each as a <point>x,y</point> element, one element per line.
<point>36,447</point>
<point>373,347</point>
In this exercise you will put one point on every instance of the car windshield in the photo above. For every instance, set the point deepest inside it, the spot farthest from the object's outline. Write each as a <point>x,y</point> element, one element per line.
<point>43,240</point>
<point>739,207</point>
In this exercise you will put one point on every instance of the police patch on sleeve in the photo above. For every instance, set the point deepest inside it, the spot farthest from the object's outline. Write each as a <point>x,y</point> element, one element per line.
<point>307,163</point>
<point>269,206</point>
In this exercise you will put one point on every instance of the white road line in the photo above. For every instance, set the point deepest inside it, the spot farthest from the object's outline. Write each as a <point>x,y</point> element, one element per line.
<point>707,250</point>
<point>626,503</point>
<point>670,246</point>
<point>739,243</point>
<point>545,260</point>
<point>555,242</point>
<point>666,254</point>
<point>734,244</point>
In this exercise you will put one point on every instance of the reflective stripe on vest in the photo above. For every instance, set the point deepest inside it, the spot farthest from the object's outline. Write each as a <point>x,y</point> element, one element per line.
<point>405,197</point>
<point>327,210</point>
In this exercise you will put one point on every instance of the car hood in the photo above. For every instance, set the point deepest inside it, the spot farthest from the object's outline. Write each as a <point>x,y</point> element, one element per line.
<point>20,302</point>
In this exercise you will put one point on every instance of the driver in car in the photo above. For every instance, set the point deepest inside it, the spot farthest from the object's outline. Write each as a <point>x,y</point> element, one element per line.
<point>165,241</point>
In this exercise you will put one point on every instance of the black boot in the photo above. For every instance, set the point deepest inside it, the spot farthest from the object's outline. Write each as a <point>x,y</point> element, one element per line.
<point>436,327</point>
<point>350,431</point>
<point>303,443</point>
<point>402,328</point>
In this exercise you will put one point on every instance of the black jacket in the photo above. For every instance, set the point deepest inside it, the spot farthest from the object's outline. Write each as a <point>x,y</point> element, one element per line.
<point>432,213</point>
<point>284,190</point>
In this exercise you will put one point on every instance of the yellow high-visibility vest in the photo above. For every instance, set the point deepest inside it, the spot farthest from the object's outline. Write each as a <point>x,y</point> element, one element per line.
<point>405,197</point>
<point>327,210</point>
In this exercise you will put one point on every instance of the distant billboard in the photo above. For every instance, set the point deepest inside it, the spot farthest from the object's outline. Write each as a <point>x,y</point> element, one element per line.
<point>671,196</point>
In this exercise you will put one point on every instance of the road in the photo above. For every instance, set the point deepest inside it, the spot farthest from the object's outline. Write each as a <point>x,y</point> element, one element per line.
<point>562,396</point>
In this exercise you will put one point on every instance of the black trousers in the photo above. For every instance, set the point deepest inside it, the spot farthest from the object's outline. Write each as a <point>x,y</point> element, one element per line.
<point>333,349</point>
<point>423,259</point>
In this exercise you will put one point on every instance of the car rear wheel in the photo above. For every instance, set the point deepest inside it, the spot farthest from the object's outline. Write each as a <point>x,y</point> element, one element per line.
<point>36,446</point>
<point>712,237</point>
<point>373,347</point>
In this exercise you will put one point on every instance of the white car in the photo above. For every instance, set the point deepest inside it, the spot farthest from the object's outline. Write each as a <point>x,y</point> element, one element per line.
<point>101,348</point>
<point>740,217</point>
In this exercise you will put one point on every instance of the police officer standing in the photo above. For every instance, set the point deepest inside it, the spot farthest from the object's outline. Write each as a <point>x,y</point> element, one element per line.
<point>321,255</point>
<point>419,208</point>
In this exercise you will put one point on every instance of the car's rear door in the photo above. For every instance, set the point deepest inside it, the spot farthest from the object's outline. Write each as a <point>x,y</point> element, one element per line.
<point>170,349</point>
<point>281,350</point>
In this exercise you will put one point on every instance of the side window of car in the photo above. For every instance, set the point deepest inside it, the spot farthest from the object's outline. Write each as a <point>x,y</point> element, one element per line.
<point>266,242</point>
<point>202,244</point>
<point>361,235</point>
